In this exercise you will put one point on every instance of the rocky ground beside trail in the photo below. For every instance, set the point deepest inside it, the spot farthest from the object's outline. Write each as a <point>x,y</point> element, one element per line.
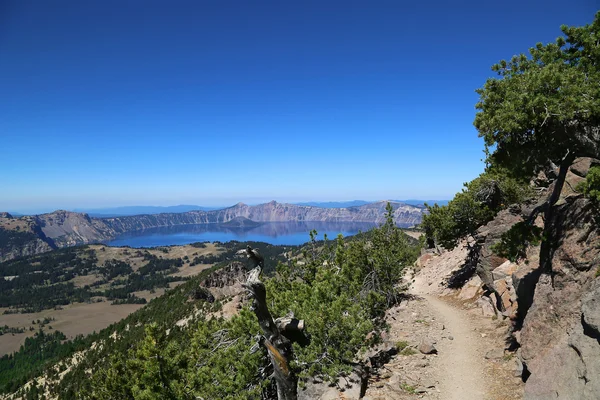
<point>470,362</point>
<point>495,323</point>
<point>445,344</point>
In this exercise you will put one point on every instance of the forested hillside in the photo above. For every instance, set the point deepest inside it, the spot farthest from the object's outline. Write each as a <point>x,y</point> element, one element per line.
<point>65,281</point>
<point>174,348</point>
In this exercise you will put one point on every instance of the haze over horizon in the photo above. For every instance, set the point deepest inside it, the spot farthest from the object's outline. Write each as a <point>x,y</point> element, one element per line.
<point>177,208</point>
<point>119,103</point>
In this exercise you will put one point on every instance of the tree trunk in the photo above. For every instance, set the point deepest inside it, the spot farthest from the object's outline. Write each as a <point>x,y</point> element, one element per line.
<point>548,241</point>
<point>277,345</point>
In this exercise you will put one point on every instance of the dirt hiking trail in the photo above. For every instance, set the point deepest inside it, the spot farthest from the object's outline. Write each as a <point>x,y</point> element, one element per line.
<point>469,362</point>
<point>461,360</point>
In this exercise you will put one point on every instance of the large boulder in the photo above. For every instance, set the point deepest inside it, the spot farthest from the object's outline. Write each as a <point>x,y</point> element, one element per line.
<point>560,341</point>
<point>590,308</point>
<point>426,346</point>
<point>504,270</point>
<point>581,166</point>
<point>471,289</point>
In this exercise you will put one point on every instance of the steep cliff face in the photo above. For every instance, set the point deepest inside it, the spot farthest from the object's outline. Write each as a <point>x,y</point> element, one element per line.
<point>21,237</point>
<point>555,314</point>
<point>560,338</point>
<point>31,247</point>
<point>67,228</point>
<point>40,233</point>
<point>404,215</point>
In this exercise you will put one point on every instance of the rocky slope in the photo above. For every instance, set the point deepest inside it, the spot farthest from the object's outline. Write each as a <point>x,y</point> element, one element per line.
<point>64,228</point>
<point>554,314</point>
<point>20,237</point>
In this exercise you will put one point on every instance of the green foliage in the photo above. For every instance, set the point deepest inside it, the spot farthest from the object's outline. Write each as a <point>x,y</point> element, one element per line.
<point>5,330</point>
<point>212,361</point>
<point>273,254</point>
<point>404,348</point>
<point>408,351</point>
<point>591,186</point>
<point>544,105</point>
<point>408,388</point>
<point>339,289</point>
<point>476,205</point>
<point>45,281</point>
<point>401,345</point>
<point>38,351</point>
<point>224,367</point>
<point>514,242</point>
<point>11,238</point>
<point>148,372</point>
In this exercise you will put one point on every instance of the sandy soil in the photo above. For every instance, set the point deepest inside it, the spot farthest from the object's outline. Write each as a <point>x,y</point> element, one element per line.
<point>460,370</point>
<point>461,365</point>
<point>461,360</point>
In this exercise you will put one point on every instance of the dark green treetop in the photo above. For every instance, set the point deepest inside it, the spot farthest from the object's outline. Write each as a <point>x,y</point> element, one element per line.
<point>544,106</point>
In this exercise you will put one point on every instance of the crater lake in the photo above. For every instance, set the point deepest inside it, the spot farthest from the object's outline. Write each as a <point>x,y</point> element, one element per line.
<point>279,233</point>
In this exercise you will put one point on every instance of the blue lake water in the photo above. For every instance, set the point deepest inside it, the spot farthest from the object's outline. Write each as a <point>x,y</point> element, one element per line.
<point>283,233</point>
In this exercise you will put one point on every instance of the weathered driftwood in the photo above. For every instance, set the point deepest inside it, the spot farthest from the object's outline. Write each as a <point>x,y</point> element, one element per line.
<point>278,346</point>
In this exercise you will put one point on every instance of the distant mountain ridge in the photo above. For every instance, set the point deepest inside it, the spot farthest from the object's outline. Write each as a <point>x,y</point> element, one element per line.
<point>20,236</point>
<point>334,204</point>
<point>354,203</point>
<point>421,203</point>
<point>140,210</point>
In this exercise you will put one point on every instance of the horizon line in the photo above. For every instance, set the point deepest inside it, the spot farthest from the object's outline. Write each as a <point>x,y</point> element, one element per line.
<point>85,210</point>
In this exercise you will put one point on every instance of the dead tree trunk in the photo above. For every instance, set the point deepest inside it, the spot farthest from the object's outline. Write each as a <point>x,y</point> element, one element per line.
<point>277,345</point>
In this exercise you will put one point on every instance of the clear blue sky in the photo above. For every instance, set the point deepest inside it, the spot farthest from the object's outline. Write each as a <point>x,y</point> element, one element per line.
<point>107,103</point>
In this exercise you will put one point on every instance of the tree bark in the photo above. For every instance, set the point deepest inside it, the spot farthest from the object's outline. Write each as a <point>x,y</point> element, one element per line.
<point>548,241</point>
<point>278,346</point>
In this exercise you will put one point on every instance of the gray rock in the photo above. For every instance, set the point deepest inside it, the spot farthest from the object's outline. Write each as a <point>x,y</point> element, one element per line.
<point>517,367</point>
<point>581,166</point>
<point>560,343</point>
<point>426,346</point>
<point>428,383</point>
<point>590,307</point>
<point>470,289</point>
<point>507,268</point>
<point>395,380</point>
<point>494,354</point>
<point>487,308</point>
